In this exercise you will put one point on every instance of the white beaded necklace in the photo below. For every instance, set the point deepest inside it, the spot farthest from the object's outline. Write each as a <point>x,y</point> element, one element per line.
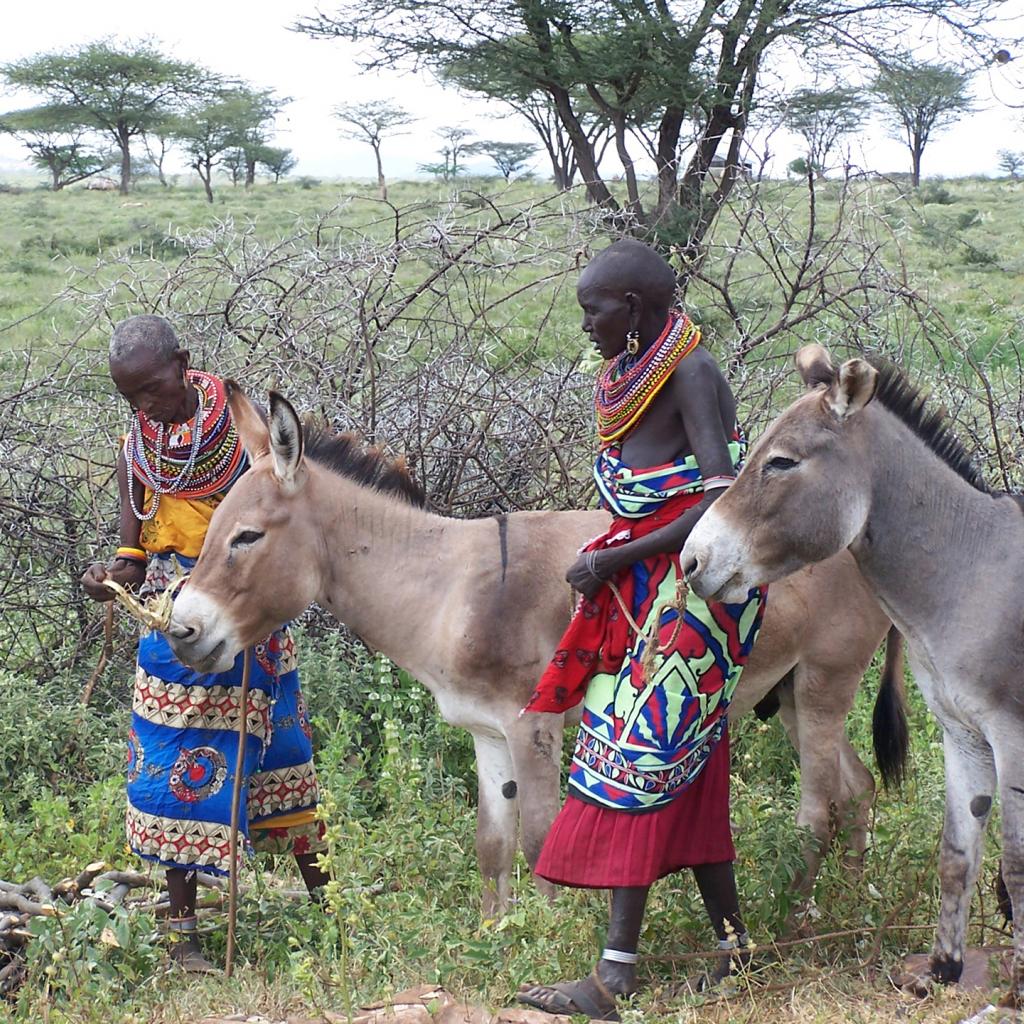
<point>154,480</point>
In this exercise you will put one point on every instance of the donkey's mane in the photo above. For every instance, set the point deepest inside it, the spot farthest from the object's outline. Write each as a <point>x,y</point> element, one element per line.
<point>907,403</point>
<point>345,455</point>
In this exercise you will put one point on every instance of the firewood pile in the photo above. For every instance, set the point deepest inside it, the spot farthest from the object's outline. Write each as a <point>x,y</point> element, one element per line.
<point>36,898</point>
<point>99,884</point>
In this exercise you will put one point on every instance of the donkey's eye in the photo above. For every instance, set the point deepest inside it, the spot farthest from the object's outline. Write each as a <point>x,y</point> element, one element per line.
<point>781,462</point>
<point>245,538</point>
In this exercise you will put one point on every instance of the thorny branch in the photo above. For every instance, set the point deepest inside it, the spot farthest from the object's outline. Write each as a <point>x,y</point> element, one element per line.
<point>449,333</point>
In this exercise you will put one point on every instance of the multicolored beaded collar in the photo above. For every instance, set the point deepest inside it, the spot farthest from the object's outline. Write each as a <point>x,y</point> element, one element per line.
<point>627,385</point>
<point>194,459</point>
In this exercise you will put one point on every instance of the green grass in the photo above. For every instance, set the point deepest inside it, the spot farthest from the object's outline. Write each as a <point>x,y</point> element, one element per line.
<point>398,789</point>
<point>966,254</point>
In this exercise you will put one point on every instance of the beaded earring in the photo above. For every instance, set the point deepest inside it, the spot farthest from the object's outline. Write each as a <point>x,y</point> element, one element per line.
<point>633,342</point>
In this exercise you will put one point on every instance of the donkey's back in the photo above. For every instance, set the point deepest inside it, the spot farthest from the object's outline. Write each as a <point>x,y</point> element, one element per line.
<point>512,604</point>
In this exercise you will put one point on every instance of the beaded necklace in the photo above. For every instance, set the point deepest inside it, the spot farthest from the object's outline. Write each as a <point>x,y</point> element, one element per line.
<point>153,478</point>
<point>194,459</point>
<point>628,385</point>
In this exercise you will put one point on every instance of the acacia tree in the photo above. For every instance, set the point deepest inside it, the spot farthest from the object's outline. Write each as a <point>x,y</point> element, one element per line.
<point>509,157</point>
<point>643,63</point>
<point>57,143</point>
<point>540,113</point>
<point>206,133</point>
<point>456,143</point>
<point>822,118</point>
<point>224,131</point>
<point>918,101</point>
<point>254,112</point>
<point>476,73</point>
<point>277,161</point>
<point>233,161</point>
<point>372,122</point>
<point>120,90</point>
<point>1011,161</point>
<point>157,142</point>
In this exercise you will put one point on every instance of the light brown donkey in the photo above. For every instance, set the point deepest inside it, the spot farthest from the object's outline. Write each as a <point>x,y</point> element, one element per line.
<point>859,463</point>
<point>474,610</point>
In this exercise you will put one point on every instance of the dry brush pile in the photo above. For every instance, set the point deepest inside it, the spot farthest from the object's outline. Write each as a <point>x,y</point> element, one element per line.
<point>447,332</point>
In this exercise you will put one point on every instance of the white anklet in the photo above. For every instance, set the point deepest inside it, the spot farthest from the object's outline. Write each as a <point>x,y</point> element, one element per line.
<point>618,956</point>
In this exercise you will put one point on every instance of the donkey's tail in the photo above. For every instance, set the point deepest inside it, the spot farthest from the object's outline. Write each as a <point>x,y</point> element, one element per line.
<point>889,722</point>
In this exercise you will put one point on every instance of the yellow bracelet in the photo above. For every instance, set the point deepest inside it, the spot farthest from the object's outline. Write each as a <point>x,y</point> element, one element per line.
<point>132,554</point>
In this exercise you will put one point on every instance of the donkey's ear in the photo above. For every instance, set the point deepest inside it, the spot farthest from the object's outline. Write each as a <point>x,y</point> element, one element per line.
<point>285,439</point>
<point>853,390</point>
<point>814,365</point>
<point>249,422</point>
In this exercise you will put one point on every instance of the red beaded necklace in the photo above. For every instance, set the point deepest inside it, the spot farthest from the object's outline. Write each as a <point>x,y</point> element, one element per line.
<point>627,385</point>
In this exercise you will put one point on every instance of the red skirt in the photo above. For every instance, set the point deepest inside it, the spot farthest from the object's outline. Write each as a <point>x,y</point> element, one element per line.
<point>594,847</point>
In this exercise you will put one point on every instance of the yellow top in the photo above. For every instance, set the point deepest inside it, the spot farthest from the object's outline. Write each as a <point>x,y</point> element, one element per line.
<point>180,524</point>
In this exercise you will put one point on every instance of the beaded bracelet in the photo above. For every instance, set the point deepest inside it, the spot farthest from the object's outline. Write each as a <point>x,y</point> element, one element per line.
<point>131,555</point>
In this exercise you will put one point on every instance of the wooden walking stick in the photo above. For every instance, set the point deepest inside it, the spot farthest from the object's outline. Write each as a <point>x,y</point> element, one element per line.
<point>105,654</point>
<point>236,800</point>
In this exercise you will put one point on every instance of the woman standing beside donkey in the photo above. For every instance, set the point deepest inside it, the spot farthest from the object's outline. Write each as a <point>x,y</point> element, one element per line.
<point>649,780</point>
<point>181,456</point>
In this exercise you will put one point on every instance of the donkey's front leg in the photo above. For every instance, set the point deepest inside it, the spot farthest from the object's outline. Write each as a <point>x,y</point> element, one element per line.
<point>1008,748</point>
<point>970,784</point>
<point>495,820</point>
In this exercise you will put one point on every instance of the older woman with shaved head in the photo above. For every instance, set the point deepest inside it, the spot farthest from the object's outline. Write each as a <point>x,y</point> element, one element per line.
<point>655,670</point>
<point>180,457</point>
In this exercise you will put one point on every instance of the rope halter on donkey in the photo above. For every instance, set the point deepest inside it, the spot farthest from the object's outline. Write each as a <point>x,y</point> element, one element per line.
<point>652,649</point>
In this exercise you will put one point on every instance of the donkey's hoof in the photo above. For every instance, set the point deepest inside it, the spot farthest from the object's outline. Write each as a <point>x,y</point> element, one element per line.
<point>946,970</point>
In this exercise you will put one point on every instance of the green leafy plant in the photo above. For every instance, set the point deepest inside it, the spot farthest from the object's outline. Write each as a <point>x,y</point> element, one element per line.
<point>85,954</point>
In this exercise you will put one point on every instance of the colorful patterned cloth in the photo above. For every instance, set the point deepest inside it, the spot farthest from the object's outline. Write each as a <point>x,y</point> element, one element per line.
<point>183,745</point>
<point>636,493</point>
<point>644,741</point>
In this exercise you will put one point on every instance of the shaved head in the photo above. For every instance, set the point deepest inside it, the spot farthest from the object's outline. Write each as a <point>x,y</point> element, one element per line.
<point>145,335</point>
<point>150,369</point>
<point>632,266</point>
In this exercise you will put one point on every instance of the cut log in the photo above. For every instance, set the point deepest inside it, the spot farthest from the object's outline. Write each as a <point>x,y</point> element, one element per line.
<point>38,888</point>
<point>22,904</point>
<point>132,879</point>
<point>70,888</point>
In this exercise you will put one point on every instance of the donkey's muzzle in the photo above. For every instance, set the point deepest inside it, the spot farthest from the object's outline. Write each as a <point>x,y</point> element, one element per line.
<point>199,634</point>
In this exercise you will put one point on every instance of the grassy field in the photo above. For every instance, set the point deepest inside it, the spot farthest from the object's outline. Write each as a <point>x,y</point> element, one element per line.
<point>400,784</point>
<point>959,239</point>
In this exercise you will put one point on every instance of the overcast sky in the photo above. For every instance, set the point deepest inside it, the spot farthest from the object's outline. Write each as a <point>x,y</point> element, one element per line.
<point>252,41</point>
